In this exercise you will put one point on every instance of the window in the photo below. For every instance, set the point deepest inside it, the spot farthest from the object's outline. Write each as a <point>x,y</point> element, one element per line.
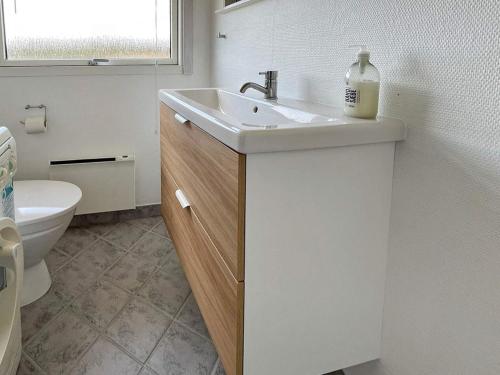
<point>83,32</point>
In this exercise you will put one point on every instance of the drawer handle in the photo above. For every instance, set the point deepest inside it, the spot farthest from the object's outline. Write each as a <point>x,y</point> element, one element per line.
<point>180,119</point>
<point>182,199</point>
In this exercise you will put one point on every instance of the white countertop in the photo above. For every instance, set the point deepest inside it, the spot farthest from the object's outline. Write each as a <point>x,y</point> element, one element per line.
<point>250,125</point>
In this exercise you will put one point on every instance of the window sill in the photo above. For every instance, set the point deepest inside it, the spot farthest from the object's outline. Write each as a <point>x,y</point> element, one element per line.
<point>42,71</point>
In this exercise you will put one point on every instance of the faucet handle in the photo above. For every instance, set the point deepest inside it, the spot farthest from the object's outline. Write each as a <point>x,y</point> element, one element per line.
<point>270,74</point>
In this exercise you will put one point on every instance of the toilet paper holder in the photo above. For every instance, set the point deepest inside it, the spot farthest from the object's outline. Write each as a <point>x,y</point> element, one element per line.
<point>40,106</point>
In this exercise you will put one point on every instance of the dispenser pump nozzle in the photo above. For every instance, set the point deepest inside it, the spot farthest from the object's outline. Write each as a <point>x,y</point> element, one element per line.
<point>363,52</point>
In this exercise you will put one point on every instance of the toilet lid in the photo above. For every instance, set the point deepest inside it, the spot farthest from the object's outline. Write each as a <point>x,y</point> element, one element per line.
<point>39,200</point>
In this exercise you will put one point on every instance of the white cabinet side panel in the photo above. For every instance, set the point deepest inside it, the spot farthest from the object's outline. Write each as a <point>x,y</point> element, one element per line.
<point>315,257</point>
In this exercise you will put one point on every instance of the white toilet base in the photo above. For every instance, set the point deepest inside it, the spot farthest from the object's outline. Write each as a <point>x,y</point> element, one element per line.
<point>36,283</point>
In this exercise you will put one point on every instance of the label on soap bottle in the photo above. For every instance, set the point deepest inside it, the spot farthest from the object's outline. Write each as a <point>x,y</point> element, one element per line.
<point>361,99</point>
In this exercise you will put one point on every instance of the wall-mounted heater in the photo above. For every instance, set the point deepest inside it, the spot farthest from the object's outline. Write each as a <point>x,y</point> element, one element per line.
<point>107,183</point>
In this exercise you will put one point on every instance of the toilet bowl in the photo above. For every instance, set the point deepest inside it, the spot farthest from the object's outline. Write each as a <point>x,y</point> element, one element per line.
<point>44,210</point>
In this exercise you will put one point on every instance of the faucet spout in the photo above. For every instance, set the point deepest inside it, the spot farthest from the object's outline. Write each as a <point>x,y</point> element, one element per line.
<point>252,85</point>
<point>270,90</point>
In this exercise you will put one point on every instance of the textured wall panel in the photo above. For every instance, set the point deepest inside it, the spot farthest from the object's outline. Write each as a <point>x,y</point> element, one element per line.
<point>440,69</point>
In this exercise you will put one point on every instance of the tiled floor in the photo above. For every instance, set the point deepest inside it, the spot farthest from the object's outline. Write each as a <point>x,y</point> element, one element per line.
<point>119,304</point>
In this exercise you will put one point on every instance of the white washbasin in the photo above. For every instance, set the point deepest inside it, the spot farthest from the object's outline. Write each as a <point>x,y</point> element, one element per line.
<point>251,125</point>
<point>248,112</point>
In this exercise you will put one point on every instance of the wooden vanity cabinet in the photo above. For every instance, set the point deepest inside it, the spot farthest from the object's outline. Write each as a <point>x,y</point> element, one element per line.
<point>213,177</point>
<point>208,235</point>
<point>285,251</point>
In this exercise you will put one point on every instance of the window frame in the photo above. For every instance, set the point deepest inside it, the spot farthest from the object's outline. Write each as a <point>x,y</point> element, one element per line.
<point>175,27</point>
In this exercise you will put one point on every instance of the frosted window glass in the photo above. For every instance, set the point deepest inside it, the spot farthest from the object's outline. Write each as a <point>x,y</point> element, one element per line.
<point>87,29</point>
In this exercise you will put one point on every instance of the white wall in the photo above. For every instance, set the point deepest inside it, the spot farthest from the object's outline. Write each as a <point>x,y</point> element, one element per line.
<point>440,72</point>
<point>99,115</point>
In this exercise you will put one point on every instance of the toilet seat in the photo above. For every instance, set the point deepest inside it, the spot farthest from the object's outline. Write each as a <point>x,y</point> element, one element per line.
<point>39,204</point>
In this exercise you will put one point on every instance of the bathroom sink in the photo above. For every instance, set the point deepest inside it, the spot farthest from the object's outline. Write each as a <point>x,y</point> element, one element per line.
<point>246,112</point>
<point>250,125</point>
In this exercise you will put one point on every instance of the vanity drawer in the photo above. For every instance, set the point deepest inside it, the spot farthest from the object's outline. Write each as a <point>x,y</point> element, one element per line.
<point>213,176</point>
<point>218,294</point>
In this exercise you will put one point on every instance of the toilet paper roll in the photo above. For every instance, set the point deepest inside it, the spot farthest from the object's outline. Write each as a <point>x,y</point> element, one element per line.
<point>35,124</point>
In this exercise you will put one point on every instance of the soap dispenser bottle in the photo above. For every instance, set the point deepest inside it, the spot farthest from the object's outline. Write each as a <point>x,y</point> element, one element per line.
<point>362,87</point>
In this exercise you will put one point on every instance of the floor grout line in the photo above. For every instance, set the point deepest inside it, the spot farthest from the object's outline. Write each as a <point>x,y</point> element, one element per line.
<point>192,330</point>
<point>165,332</point>
<point>149,368</point>
<point>152,230</point>
<point>33,362</point>
<point>45,327</point>
<point>150,304</point>
<point>132,296</point>
<point>69,258</point>
<point>123,349</point>
<point>79,358</point>
<point>68,305</point>
<point>71,299</point>
<point>216,365</point>
<point>158,342</point>
<point>168,315</point>
<point>176,319</point>
<point>127,302</point>
<point>152,350</point>
<point>42,329</point>
<point>72,257</point>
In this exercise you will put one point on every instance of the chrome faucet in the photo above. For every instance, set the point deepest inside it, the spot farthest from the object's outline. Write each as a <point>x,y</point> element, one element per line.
<point>271,88</point>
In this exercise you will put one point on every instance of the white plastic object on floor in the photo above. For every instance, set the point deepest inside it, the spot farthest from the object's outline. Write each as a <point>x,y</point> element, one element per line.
<point>11,257</point>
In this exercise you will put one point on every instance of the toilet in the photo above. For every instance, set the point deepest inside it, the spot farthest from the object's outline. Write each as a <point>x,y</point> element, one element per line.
<point>43,212</point>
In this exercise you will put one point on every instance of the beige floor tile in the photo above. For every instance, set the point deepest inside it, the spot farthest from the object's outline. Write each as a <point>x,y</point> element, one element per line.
<point>219,369</point>
<point>101,303</point>
<point>37,314</point>
<point>105,358</point>
<point>154,246</point>
<point>181,351</point>
<point>55,260</point>
<point>75,240</point>
<point>147,371</point>
<point>100,255</point>
<point>26,367</point>
<point>161,229</point>
<point>75,278</point>
<point>58,346</point>
<point>138,328</point>
<point>131,271</point>
<point>146,223</point>
<point>190,316</point>
<point>167,289</point>
<point>124,234</point>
